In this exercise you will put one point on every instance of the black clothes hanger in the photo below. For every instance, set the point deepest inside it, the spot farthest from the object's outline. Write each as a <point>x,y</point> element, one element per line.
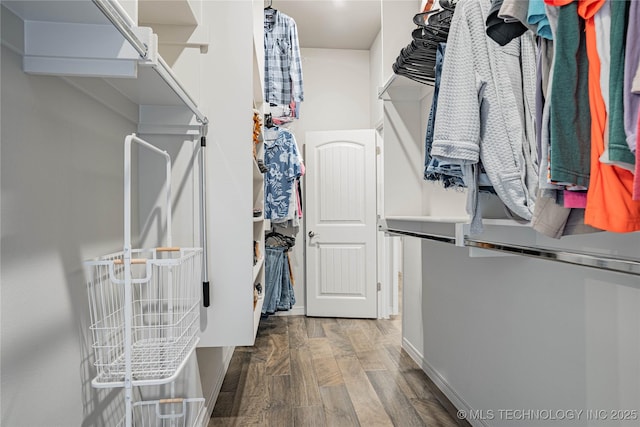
<point>275,239</point>
<point>270,13</point>
<point>268,121</point>
<point>417,60</point>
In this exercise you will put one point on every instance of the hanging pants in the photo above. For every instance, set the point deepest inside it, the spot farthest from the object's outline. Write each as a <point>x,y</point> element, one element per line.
<point>278,294</point>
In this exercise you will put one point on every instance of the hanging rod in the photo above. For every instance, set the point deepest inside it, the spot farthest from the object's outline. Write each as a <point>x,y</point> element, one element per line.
<point>436,237</point>
<point>601,262</point>
<point>170,78</point>
<point>120,19</point>
<point>123,23</point>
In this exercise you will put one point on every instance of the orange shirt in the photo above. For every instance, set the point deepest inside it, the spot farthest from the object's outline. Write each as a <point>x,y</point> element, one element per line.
<point>609,198</point>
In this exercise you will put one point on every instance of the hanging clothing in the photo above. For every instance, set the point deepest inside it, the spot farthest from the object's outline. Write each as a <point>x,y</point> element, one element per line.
<point>450,175</point>
<point>552,219</point>
<point>537,15</point>
<point>618,148</point>
<point>632,57</point>
<point>501,30</point>
<point>488,116</point>
<point>516,10</point>
<point>609,199</point>
<point>282,161</point>
<point>279,294</point>
<point>636,178</point>
<point>570,119</point>
<point>282,62</point>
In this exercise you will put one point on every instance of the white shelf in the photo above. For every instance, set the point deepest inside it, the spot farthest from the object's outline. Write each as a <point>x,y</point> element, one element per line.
<point>111,59</point>
<point>403,89</point>
<point>79,12</point>
<point>427,219</point>
<point>257,267</point>
<point>257,175</point>
<point>505,223</point>
<point>445,229</point>
<point>259,219</point>
<point>257,312</point>
<point>506,237</point>
<point>422,220</point>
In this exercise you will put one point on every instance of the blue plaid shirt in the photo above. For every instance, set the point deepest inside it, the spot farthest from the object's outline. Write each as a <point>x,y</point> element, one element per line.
<point>282,63</point>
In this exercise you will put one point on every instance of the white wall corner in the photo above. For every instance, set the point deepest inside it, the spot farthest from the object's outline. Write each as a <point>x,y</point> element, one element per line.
<point>442,384</point>
<point>212,394</point>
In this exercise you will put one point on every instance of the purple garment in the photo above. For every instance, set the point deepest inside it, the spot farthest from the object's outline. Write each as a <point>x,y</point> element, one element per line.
<point>632,58</point>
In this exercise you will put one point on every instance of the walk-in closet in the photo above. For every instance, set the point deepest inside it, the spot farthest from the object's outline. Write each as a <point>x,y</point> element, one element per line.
<point>320,212</point>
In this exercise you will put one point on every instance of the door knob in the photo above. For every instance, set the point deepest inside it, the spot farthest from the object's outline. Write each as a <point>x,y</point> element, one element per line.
<point>311,234</point>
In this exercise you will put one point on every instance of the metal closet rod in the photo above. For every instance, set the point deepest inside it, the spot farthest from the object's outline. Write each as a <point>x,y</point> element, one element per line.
<point>121,21</point>
<point>118,17</point>
<point>602,262</point>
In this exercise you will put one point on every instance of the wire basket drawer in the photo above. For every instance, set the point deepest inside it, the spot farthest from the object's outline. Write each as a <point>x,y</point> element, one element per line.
<point>166,413</point>
<point>165,314</point>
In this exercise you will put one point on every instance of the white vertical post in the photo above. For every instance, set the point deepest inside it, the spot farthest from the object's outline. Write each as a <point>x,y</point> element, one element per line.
<point>128,299</point>
<point>127,280</point>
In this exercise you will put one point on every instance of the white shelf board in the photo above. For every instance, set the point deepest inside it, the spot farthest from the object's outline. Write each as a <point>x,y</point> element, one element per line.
<point>257,267</point>
<point>505,223</point>
<point>72,11</point>
<point>154,83</point>
<point>257,175</point>
<point>444,228</point>
<point>497,222</point>
<point>257,312</point>
<point>427,219</point>
<point>148,89</point>
<point>258,219</point>
<point>401,88</point>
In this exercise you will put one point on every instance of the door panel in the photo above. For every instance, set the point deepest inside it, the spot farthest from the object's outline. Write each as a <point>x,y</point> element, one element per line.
<point>341,223</point>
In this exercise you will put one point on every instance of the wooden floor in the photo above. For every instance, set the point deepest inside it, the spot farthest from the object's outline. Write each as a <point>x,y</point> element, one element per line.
<point>326,372</point>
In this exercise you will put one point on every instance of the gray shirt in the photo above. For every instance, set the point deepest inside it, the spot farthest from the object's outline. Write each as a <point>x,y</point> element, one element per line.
<point>486,93</point>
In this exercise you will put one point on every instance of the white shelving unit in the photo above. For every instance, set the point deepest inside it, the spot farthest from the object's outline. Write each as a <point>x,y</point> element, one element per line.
<point>235,77</point>
<point>98,47</point>
<point>259,224</point>
<point>258,236</point>
<point>437,214</point>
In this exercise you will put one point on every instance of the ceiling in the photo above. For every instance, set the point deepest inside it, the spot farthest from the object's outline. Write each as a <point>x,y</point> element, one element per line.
<point>333,24</point>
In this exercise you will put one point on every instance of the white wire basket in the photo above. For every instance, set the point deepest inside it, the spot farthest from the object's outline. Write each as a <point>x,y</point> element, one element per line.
<point>166,413</point>
<point>165,314</point>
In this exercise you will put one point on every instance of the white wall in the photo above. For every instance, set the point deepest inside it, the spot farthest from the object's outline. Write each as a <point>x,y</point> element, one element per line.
<point>62,197</point>
<point>337,97</point>
<point>397,24</point>
<point>375,71</point>
<point>61,167</point>
<point>507,333</point>
<point>336,91</point>
<point>517,333</point>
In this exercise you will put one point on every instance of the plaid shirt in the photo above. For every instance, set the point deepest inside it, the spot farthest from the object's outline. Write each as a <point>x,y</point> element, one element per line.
<point>283,66</point>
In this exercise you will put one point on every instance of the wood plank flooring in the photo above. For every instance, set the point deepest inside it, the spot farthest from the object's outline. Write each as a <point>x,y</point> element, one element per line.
<point>327,372</point>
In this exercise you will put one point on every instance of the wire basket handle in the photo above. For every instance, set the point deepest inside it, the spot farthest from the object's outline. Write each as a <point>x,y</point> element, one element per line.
<point>127,189</point>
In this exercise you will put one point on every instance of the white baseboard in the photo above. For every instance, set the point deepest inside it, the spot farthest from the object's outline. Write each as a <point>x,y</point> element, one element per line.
<point>210,401</point>
<point>295,311</point>
<point>441,383</point>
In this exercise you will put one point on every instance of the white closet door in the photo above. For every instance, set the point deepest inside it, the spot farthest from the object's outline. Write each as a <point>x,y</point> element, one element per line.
<point>341,223</point>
